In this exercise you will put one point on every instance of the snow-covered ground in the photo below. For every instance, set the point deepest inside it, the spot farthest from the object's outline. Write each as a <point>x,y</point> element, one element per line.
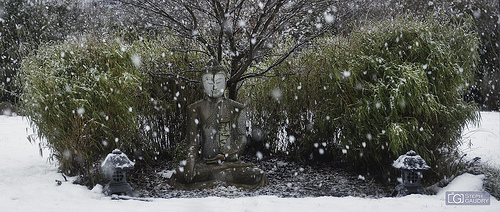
<point>28,183</point>
<point>484,140</point>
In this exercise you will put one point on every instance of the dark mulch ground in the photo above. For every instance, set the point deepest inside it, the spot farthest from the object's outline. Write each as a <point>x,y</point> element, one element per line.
<point>286,179</point>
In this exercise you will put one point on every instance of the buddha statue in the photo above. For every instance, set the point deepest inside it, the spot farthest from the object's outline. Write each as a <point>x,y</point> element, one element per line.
<point>216,138</point>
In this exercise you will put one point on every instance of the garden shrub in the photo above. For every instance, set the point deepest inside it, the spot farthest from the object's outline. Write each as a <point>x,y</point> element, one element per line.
<point>485,90</point>
<point>87,97</point>
<point>388,88</point>
<point>82,96</point>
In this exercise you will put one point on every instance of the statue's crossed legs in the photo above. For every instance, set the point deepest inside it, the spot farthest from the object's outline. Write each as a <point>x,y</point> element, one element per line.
<point>238,174</point>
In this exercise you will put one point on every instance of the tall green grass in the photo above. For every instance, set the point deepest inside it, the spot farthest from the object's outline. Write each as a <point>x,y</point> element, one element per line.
<point>89,96</point>
<point>83,96</point>
<point>387,88</point>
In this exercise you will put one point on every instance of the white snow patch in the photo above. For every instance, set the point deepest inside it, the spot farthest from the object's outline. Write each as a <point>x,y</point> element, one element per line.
<point>484,140</point>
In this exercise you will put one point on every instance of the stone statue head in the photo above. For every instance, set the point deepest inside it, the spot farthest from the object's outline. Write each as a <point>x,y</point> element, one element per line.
<point>213,80</point>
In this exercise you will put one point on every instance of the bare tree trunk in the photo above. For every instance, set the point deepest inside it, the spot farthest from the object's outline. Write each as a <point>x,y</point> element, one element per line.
<point>233,91</point>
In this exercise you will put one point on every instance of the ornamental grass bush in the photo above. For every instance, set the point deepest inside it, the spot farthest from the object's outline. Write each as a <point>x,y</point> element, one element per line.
<point>89,96</point>
<point>387,88</point>
<point>82,97</point>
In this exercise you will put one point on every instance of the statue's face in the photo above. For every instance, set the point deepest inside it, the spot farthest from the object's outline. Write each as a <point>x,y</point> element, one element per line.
<point>214,84</point>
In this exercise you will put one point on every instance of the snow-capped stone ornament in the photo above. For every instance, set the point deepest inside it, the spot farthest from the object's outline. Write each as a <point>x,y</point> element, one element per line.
<point>411,166</point>
<point>410,161</point>
<point>114,169</point>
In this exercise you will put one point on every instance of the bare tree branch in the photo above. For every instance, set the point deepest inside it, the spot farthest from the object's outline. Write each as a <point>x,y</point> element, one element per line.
<point>241,32</point>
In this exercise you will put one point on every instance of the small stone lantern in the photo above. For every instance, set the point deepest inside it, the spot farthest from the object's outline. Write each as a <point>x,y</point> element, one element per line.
<point>411,166</point>
<point>114,169</point>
